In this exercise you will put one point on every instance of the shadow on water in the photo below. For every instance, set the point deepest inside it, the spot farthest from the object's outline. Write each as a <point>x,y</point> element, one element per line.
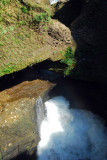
<point>37,71</point>
<point>11,80</point>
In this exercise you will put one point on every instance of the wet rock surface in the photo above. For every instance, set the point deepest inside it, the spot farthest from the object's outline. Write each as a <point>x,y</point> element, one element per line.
<point>18,123</point>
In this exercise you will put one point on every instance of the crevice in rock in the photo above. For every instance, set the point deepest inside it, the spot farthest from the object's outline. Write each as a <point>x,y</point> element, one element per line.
<point>69,12</point>
<point>37,71</point>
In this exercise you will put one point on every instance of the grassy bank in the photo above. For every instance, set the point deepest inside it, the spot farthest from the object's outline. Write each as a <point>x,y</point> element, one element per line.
<point>23,29</point>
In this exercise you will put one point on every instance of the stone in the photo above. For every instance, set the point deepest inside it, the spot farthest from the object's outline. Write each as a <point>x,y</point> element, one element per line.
<point>61,33</point>
<point>18,118</point>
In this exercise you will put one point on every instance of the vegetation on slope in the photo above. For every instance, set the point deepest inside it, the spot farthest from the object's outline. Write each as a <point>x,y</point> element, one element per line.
<point>69,60</point>
<point>20,23</point>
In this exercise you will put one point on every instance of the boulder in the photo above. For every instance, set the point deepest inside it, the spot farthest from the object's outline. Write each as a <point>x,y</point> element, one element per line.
<point>19,117</point>
<point>61,34</point>
<point>59,31</point>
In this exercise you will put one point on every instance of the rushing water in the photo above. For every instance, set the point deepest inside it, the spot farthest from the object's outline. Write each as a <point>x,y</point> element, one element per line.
<point>71,134</point>
<point>53,1</point>
<point>39,112</point>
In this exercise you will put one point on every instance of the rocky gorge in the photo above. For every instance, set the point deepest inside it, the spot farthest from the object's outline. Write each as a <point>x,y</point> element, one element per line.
<point>35,36</point>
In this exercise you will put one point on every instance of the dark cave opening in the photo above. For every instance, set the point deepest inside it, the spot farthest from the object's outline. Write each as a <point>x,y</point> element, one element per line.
<point>69,12</point>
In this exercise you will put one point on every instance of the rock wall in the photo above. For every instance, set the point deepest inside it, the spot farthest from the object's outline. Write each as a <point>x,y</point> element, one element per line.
<point>18,118</point>
<point>89,30</point>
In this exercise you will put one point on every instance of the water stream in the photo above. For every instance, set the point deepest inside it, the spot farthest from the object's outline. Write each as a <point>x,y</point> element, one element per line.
<point>53,1</point>
<point>71,134</point>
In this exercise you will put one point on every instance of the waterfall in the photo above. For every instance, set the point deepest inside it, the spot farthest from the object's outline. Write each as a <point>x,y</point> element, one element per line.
<point>71,134</point>
<point>39,112</point>
<point>53,1</point>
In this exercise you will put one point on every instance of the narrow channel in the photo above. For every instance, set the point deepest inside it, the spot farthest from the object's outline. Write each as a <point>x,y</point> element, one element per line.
<point>71,134</point>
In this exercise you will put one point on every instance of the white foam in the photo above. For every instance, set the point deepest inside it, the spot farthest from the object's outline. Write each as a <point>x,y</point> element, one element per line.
<point>71,134</point>
<point>53,1</point>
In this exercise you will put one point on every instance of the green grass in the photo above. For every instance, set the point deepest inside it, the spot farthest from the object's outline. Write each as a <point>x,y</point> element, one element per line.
<point>24,9</point>
<point>23,13</point>
<point>1,44</point>
<point>5,2</point>
<point>8,69</point>
<point>69,60</point>
<point>42,17</point>
<point>20,43</point>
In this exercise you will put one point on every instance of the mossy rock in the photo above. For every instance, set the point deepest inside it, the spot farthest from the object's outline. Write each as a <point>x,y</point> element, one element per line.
<point>18,125</point>
<point>24,36</point>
